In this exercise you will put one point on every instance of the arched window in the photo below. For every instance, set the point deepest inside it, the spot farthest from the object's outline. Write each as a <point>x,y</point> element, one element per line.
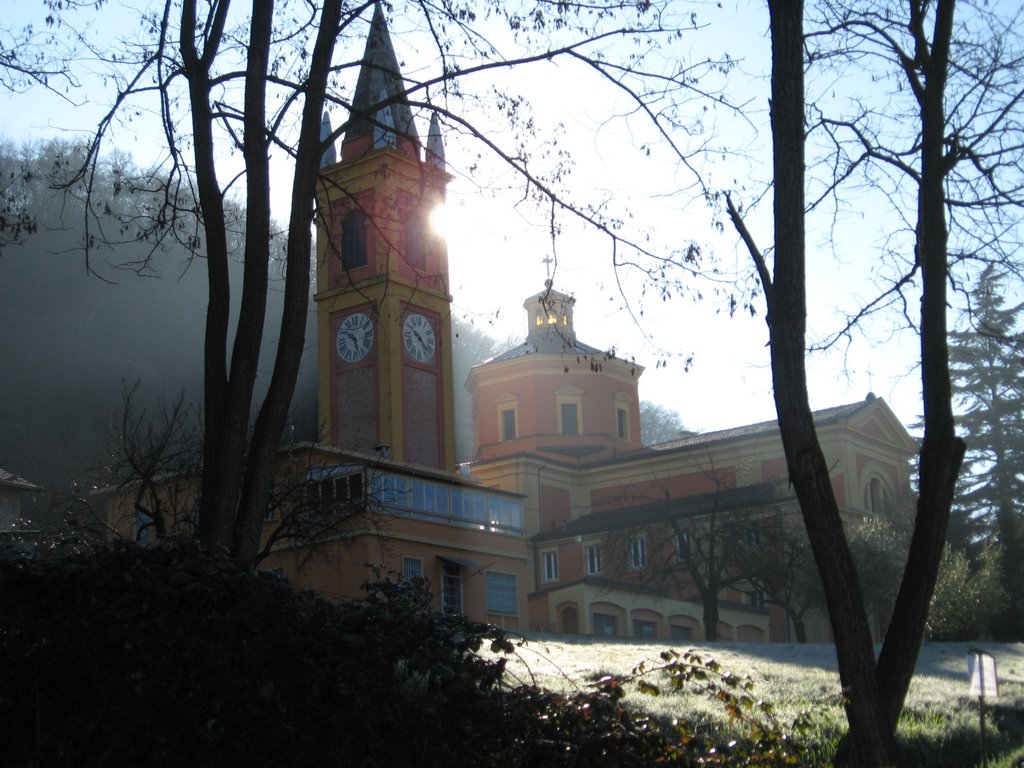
<point>877,500</point>
<point>422,242</point>
<point>354,250</point>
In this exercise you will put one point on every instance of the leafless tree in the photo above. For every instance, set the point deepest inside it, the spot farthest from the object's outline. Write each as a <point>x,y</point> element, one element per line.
<point>954,153</point>
<point>254,81</point>
<point>776,558</point>
<point>690,543</point>
<point>312,502</point>
<point>154,460</point>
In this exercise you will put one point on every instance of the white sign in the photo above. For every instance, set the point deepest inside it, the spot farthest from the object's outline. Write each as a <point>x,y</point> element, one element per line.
<point>981,668</point>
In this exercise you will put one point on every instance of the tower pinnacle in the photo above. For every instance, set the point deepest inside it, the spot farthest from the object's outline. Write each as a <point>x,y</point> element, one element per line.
<point>329,157</point>
<point>381,114</point>
<point>435,144</point>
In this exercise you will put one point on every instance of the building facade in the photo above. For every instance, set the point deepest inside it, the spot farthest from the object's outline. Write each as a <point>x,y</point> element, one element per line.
<point>564,521</point>
<point>622,537</point>
<point>14,492</point>
<point>591,517</point>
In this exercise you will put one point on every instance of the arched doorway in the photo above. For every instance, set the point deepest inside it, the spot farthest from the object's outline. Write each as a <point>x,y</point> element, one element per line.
<point>570,620</point>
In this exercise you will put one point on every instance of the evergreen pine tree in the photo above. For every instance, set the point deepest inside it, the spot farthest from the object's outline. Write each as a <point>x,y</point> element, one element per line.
<point>986,369</point>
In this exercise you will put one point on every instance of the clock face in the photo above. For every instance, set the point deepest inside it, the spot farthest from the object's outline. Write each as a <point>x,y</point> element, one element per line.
<point>418,335</point>
<point>355,337</point>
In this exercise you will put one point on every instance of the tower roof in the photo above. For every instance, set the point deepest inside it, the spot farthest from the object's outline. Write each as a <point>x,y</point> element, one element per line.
<point>380,79</point>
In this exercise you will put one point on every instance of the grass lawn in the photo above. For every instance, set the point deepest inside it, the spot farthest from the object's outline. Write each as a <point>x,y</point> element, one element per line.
<point>940,724</point>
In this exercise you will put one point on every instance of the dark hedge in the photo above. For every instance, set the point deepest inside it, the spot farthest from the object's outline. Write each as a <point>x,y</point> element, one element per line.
<point>167,656</point>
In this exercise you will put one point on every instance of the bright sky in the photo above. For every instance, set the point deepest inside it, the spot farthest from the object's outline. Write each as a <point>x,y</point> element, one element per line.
<point>497,245</point>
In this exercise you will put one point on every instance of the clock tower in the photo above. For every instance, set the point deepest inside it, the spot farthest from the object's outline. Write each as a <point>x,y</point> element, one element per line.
<point>383,308</point>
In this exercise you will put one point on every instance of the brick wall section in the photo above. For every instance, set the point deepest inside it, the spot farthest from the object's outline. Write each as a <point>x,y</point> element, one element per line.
<point>356,411</point>
<point>422,406</point>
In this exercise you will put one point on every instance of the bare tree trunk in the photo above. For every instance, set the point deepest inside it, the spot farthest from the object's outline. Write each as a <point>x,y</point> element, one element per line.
<point>872,739</point>
<point>273,415</point>
<point>799,628</point>
<point>709,606</point>
<point>224,436</point>
<point>941,451</point>
<point>239,466</point>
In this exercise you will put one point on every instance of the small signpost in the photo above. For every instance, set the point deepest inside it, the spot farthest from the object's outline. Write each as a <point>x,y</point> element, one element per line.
<point>981,669</point>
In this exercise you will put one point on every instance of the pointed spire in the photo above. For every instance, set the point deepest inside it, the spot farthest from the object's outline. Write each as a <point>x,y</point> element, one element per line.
<point>380,78</point>
<point>435,144</point>
<point>329,157</point>
<point>384,125</point>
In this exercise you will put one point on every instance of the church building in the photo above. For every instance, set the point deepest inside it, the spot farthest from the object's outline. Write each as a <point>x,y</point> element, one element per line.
<point>564,521</point>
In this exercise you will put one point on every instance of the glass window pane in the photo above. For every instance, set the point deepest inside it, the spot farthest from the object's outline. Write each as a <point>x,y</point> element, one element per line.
<point>570,419</point>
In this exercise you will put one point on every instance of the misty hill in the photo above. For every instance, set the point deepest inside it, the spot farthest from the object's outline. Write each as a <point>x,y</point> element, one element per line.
<point>73,336</point>
<point>70,336</point>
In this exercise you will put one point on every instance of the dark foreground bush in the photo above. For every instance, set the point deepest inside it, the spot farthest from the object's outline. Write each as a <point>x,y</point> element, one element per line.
<point>168,657</point>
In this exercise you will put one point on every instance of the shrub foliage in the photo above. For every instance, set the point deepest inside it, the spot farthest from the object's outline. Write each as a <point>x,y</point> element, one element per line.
<point>167,656</point>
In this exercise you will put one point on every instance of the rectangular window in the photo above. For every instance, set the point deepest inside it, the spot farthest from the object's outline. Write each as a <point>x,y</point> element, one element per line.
<point>143,525</point>
<point>756,598</point>
<point>334,494</point>
<point>678,634</point>
<point>593,560</point>
<point>506,513</point>
<point>637,554</point>
<point>606,625</point>
<point>508,424</point>
<point>570,419</point>
<point>622,423</point>
<point>429,497</point>
<point>550,566</point>
<point>389,490</point>
<point>501,593</point>
<point>681,546</point>
<point>451,589</point>
<point>646,630</point>
<point>412,568</point>
<point>469,505</point>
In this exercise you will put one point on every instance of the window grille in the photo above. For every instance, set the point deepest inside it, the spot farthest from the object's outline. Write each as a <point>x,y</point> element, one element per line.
<point>501,593</point>
<point>412,568</point>
<point>451,589</point>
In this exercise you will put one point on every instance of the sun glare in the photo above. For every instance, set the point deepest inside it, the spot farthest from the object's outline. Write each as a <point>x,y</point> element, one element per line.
<point>439,220</point>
